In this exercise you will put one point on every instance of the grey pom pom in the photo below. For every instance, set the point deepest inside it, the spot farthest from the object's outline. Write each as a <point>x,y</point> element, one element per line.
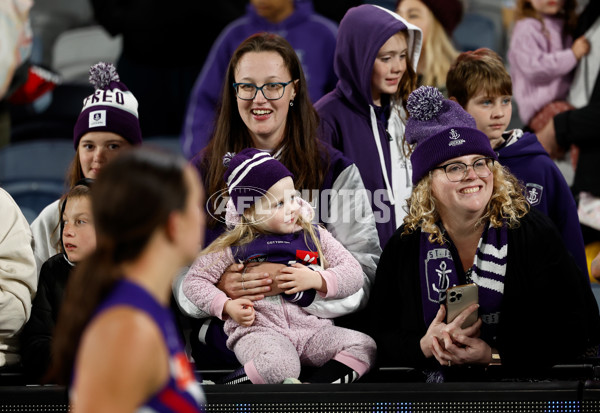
<point>227,158</point>
<point>424,103</point>
<point>101,74</point>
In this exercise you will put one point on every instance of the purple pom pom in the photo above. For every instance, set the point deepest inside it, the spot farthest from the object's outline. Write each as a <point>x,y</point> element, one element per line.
<point>424,103</point>
<point>227,158</point>
<point>101,74</point>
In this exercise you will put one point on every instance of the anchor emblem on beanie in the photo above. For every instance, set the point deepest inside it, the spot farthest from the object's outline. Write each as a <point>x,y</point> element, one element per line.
<point>440,130</point>
<point>97,118</point>
<point>454,135</point>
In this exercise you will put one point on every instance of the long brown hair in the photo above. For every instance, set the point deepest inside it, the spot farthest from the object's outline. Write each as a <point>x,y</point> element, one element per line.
<point>525,9</point>
<point>74,173</point>
<point>408,83</point>
<point>133,197</point>
<point>300,149</point>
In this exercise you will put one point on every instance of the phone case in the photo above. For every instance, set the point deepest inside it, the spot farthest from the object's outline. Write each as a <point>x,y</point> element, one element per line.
<point>460,297</point>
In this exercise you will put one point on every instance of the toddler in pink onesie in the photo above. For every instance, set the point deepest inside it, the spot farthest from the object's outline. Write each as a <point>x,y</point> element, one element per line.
<point>272,338</point>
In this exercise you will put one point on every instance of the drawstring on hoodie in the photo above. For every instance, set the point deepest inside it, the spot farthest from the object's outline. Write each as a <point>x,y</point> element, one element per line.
<point>375,129</point>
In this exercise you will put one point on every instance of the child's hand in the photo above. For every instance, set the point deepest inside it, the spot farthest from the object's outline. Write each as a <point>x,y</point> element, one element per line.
<point>241,311</point>
<point>300,278</point>
<point>581,47</point>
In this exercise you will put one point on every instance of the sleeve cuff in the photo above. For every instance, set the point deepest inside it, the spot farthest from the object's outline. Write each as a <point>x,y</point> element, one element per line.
<point>331,282</point>
<point>218,304</point>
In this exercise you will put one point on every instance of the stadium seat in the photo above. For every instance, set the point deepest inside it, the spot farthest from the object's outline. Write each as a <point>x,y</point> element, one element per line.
<point>33,172</point>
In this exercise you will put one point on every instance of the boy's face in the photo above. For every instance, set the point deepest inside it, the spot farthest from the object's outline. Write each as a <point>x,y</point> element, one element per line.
<point>79,236</point>
<point>492,114</point>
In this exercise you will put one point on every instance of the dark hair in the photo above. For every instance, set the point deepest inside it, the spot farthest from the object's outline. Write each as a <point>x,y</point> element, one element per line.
<point>82,188</point>
<point>525,9</point>
<point>474,71</point>
<point>132,197</point>
<point>300,148</point>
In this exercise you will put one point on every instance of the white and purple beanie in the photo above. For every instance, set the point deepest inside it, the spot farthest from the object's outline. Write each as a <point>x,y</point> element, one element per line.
<point>249,175</point>
<point>111,108</point>
<point>441,130</point>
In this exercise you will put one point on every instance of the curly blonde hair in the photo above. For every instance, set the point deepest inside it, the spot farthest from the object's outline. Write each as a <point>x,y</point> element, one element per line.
<point>507,204</point>
<point>247,230</point>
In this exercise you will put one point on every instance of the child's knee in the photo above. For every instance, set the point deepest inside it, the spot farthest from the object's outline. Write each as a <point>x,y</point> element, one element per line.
<point>363,347</point>
<point>277,369</point>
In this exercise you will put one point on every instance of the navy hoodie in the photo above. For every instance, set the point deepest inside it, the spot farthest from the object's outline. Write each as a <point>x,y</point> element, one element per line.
<point>546,188</point>
<point>362,131</point>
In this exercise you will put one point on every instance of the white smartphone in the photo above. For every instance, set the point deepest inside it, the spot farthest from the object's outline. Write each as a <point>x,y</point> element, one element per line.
<point>460,297</point>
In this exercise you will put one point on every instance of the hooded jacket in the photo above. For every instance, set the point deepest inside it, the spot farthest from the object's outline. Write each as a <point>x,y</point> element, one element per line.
<point>313,38</point>
<point>546,188</point>
<point>352,123</point>
<point>18,277</point>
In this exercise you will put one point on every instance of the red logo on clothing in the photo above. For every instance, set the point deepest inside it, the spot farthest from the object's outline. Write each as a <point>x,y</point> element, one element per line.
<point>182,370</point>
<point>307,257</point>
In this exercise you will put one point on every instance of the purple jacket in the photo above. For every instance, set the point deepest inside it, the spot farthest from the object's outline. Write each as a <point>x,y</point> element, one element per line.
<point>546,188</point>
<point>351,122</point>
<point>312,37</point>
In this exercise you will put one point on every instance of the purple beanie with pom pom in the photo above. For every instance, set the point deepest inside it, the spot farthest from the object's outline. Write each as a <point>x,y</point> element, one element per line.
<point>441,130</point>
<point>249,175</point>
<point>111,108</point>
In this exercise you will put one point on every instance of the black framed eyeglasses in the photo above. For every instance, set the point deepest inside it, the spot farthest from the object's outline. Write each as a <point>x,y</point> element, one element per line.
<point>271,91</point>
<point>457,171</point>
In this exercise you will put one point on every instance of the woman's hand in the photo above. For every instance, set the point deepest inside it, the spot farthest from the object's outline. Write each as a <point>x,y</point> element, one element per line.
<point>461,346</point>
<point>251,285</point>
<point>463,350</point>
<point>433,343</point>
<point>300,278</point>
<point>241,311</point>
<point>434,332</point>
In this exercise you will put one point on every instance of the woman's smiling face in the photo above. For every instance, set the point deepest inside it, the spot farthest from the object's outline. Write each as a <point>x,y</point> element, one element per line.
<point>468,197</point>
<point>265,119</point>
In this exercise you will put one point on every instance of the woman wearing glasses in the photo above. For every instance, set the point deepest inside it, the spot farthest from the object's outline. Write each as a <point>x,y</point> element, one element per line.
<point>265,105</point>
<point>468,222</point>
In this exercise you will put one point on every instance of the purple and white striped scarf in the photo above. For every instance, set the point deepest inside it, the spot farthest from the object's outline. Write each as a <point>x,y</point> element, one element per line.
<point>438,273</point>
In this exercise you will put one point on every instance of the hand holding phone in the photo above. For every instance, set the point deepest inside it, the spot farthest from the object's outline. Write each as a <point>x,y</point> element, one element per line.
<point>458,298</point>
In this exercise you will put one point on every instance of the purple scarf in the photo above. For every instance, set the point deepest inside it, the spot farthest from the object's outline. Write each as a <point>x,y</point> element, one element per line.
<point>438,272</point>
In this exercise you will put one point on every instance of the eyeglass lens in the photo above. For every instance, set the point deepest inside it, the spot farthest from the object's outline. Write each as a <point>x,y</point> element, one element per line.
<point>458,171</point>
<point>270,91</point>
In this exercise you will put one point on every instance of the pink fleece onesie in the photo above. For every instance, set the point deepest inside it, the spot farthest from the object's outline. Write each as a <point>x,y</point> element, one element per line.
<point>284,336</point>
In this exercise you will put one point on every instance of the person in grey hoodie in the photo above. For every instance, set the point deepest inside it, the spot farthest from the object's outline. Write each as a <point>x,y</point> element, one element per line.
<point>375,61</point>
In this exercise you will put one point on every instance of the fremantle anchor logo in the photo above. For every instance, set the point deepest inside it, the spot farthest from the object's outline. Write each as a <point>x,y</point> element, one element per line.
<point>454,141</point>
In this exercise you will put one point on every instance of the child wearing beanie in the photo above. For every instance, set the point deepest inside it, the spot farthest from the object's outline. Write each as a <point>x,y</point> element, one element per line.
<point>108,123</point>
<point>273,337</point>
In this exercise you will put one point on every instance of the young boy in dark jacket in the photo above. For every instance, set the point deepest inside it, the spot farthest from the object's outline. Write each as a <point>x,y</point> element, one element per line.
<point>480,83</point>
